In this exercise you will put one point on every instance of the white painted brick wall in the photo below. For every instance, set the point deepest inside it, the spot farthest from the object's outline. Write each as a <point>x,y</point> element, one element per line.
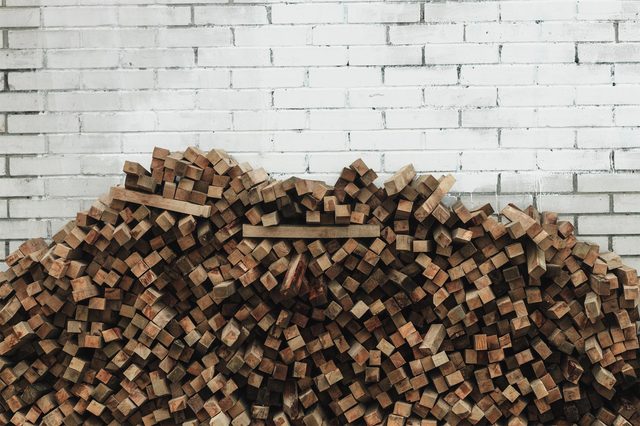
<point>523,100</point>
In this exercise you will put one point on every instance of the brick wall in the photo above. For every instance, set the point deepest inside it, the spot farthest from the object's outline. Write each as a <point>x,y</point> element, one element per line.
<point>526,101</point>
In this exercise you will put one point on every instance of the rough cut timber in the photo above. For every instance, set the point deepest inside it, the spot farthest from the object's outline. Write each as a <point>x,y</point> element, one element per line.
<point>205,292</point>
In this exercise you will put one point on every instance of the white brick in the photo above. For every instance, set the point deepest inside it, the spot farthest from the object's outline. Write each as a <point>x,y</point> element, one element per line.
<point>234,141</point>
<point>421,118</point>
<point>609,52</point>
<point>409,76</point>
<point>17,187</point>
<point>194,79</point>
<point>72,58</point>
<point>83,101</point>
<point>422,161</point>
<point>348,34</point>
<point>576,74</point>
<point>460,12</point>
<point>500,117</point>
<point>18,59</point>
<point>526,53</point>
<point>627,160</point>
<point>309,98</point>
<point>383,12</point>
<point>310,141</point>
<point>19,17</point>
<point>510,159</point>
<point>622,182</point>
<point>624,137</point>
<point>626,245</point>
<point>267,77</point>
<point>15,144</point>
<point>273,35</point>
<point>233,99</point>
<point>536,95</point>
<point>79,16</point>
<point>193,120</point>
<point>233,56</point>
<point>187,37</point>
<point>538,138</point>
<point>47,208</point>
<point>575,116</point>
<point>345,119</point>
<point>157,100</point>
<point>386,97</point>
<point>269,120</point>
<point>475,182</point>
<point>144,142</point>
<point>44,165</point>
<point>464,53</point>
<point>628,31</point>
<point>11,229</point>
<point>117,79</point>
<point>626,203</point>
<point>118,121</point>
<point>43,123</point>
<point>460,139</point>
<point>285,162</point>
<point>116,38</point>
<point>490,75</point>
<point>230,15</point>
<point>302,56</point>
<point>426,33</point>
<point>544,10</point>
<point>574,159</point>
<point>379,140</point>
<point>627,73</point>
<point>345,77</point>
<point>83,186</point>
<point>385,55</point>
<point>154,15</point>
<point>160,58</point>
<point>541,117</point>
<point>20,102</point>
<point>460,96</point>
<point>333,162</point>
<point>85,143</point>
<point>609,224</point>
<point>307,13</point>
<point>599,95</point>
<point>627,115</point>
<point>537,182</point>
<point>539,31</point>
<point>595,9</point>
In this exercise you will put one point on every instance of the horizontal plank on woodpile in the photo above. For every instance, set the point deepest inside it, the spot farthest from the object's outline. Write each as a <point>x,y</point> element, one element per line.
<point>122,194</point>
<point>314,232</point>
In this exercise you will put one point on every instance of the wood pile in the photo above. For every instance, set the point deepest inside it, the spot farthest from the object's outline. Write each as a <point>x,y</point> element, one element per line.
<point>205,292</point>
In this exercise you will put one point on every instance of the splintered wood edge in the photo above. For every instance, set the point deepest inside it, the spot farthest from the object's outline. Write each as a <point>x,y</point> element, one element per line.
<point>306,231</point>
<point>160,202</point>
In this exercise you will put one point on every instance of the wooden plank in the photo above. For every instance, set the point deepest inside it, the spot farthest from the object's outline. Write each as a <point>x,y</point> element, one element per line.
<point>315,232</point>
<point>119,193</point>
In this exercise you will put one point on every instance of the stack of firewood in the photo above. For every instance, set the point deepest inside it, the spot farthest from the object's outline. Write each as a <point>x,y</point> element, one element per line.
<point>205,292</point>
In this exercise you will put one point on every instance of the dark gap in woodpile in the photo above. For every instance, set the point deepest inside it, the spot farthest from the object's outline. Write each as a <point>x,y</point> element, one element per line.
<point>350,304</point>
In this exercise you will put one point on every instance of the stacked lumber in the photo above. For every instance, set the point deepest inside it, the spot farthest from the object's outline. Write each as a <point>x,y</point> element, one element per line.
<point>206,292</point>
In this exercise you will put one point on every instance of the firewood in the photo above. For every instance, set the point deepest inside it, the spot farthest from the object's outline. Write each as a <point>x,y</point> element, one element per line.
<point>204,291</point>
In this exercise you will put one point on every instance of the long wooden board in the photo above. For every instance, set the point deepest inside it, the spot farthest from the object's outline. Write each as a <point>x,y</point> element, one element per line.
<point>315,232</point>
<point>160,202</point>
